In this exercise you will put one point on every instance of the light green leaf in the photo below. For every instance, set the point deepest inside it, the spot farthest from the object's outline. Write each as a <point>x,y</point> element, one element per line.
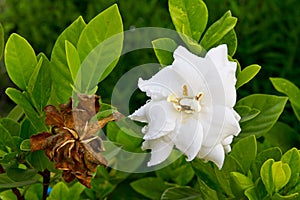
<point>72,59</point>
<point>278,196</point>
<point>266,176</point>
<point>1,41</point>
<point>164,48</point>
<point>16,113</point>
<point>218,30</point>
<point>281,173</point>
<point>181,193</point>
<point>20,60</point>
<point>291,90</point>
<point>60,73</point>
<point>8,195</point>
<point>150,187</point>
<point>244,151</point>
<point>99,48</point>
<point>240,182</point>
<point>36,120</point>
<point>75,191</point>
<point>231,40</point>
<point>270,109</point>
<point>189,17</point>
<point>25,145</point>
<point>292,158</point>
<point>250,193</point>
<point>246,75</point>
<point>59,191</point>
<point>246,113</point>
<point>33,77</point>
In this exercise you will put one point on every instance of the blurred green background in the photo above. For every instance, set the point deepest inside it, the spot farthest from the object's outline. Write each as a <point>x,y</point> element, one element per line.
<point>268,34</point>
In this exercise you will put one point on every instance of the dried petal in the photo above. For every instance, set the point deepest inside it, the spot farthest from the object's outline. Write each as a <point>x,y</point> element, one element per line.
<point>37,141</point>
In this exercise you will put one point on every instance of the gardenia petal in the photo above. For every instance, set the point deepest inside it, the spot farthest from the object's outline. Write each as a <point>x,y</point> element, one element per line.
<point>216,155</point>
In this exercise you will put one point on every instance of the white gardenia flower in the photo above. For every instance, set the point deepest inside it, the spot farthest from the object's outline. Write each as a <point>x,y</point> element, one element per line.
<point>191,107</point>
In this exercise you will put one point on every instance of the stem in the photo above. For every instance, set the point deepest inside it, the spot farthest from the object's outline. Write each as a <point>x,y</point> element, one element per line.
<point>16,191</point>
<point>46,181</point>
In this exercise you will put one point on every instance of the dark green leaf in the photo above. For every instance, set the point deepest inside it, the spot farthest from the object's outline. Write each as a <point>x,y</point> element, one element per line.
<point>60,73</point>
<point>150,187</point>
<point>206,191</point>
<point>6,137</point>
<point>18,175</point>
<point>164,48</point>
<point>99,48</point>
<point>11,126</point>
<point>34,192</point>
<point>231,40</point>
<point>6,182</point>
<point>181,193</point>
<point>189,17</point>
<point>246,75</point>
<point>36,120</point>
<point>218,30</point>
<point>244,151</point>
<point>246,113</point>
<point>270,109</point>
<point>39,161</point>
<point>20,60</point>
<point>25,145</point>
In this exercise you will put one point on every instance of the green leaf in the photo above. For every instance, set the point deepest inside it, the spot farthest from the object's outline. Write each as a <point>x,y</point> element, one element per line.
<point>41,89</point>
<point>244,151</point>
<point>246,75</point>
<point>281,173</point>
<point>25,145</point>
<point>39,161</point>
<point>246,113</point>
<point>33,77</point>
<point>292,158</point>
<point>75,190</point>
<point>59,191</point>
<point>99,48</point>
<point>291,90</point>
<point>206,191</point>
<point>6,182</point>
<point>8,195</point>
<point>20,60</point>
<point>283,136</point>
<point>60,73</point>
<point>34,192</point>
<point>231,40</point>
<point>181,193</point>
<point>240,182</point>
<point>16,113</point>
<point>274,153</point>
<point>18,175</point>
<point>266,176</point>
<point>189,17</point>
<point>270,109</point>
<point>218,30</point>
<point>1,41</point>
<point>278,196</point>
<point>72,59</point>
<point>164,48</point>
<point>20,99</point>
<point>11,126</point>
<point>150,187</point>
<point>6,138</point>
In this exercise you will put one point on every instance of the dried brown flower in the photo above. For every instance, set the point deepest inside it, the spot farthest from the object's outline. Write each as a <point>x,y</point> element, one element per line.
<point>73,145</point>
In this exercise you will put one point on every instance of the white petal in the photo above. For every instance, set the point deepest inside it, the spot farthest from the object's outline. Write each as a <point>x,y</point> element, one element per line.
<point>162,84</point>
<point>160,150</point>
<point>188,137</point>
<point>140,114</point>
<point>216,155</point>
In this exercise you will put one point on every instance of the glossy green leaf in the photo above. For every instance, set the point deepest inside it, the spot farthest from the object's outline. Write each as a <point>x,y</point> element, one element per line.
<point>6,182</point>
<point>8,195</point>
<point>20,60</point>
<point>189,17</point>
<point>72,59</point>
<point>266,176</point>
<point>246,113</point>
<point>278,196</point>
<point>246,75</point>
<point>250,193</point>
<point>164,48</point>
<point>292,158</point>
<point>181,193</point>
<point>39,161</point>
<point>75,190</point>
<point>281,173</point>
<point>240,182</point>
<point>25,145</point>
<point>11,126</point>
<point>1,40</point>
<point>218,30</point>
<point>99,48</point>
<point>270,109</point>
<point>150,187</point>
<point>19,98</point>
<point>16,113</point>
<point>231,40</point>
<point>244,151</point>
<point>274,153</point>
<point>60,73</point>
<point>59,191</point>
<point>206,191</point>
<point>17,174</point>
<point>291,90</point>
<point>33,77</point>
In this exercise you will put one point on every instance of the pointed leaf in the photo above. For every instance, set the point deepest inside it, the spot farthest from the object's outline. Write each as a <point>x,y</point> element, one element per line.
<point>181,193</point>
<point>266,176</point>
<point>164,48</point>
<point>240,182</point>
<point>189,17</point>
<point>72,59</point>
<point>60,72</point>
<point>281,173</point>
<point>206,191</point>
<point>246,113</point>
<point>246,75</point>
<point>270,109</point>
<point>218,30</point>
<point>20,60</point>
<point>231,40</point>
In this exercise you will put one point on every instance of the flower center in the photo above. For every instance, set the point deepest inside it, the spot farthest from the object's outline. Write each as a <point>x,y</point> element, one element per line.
<point>186,103</point>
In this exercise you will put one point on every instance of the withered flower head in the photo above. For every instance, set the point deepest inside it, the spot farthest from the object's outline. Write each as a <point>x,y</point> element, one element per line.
<point>73,145</point>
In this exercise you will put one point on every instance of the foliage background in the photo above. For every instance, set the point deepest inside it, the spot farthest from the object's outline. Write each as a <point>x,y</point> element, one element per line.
<point>268,33</point>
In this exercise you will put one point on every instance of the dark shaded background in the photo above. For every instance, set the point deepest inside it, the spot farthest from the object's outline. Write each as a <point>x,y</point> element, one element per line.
<point>268,34</point>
